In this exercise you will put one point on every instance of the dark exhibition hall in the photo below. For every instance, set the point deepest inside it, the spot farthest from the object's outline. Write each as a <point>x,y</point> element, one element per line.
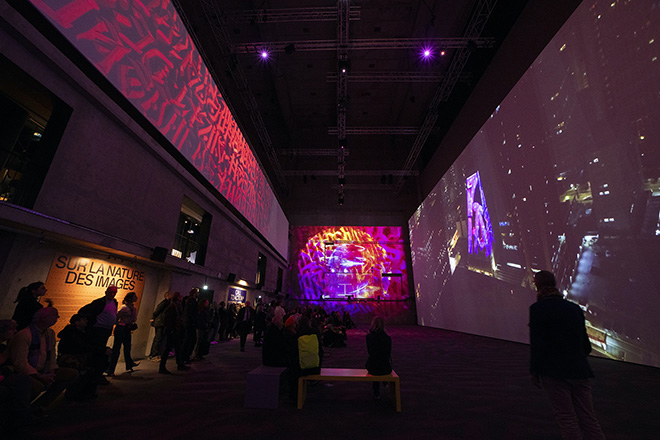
<point>371,219</point>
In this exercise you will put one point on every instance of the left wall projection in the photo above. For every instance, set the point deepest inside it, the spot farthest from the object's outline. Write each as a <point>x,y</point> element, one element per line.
<point>145,51</point>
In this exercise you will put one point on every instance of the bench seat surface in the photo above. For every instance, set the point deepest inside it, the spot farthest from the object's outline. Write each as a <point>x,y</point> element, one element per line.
<point>348,374</point>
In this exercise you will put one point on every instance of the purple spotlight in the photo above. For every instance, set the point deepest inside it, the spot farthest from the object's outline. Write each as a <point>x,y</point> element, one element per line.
<point>426,53</point>
<point>264,54</point>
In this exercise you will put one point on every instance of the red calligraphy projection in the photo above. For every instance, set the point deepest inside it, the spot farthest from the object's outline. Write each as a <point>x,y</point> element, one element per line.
<point>144,49</point>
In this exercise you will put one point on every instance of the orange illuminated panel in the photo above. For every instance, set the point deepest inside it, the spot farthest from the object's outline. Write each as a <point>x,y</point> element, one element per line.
<point>75,281</point>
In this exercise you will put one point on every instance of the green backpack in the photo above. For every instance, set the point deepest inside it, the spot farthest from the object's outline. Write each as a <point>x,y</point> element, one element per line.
<point>308,352</point>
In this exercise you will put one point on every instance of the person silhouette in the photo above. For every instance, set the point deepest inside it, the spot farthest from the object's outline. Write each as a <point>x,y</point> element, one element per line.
<point>559,346</point>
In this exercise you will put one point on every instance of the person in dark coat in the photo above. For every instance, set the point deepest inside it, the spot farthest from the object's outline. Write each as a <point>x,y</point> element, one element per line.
<point>259,324</point>
<point>158,323</point>
<point>274,351</point>
<point>28,303</point>
<point>379,347</point>
<point>173,323</point>
<point>101,318</point>
<point>244,322</point>
<point>559,346</point>
<point>190,323</point>
<point>222,316</point>
<point>75,351</point>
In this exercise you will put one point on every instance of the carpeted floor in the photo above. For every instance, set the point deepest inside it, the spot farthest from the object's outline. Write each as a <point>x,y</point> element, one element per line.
<point>453,386</point>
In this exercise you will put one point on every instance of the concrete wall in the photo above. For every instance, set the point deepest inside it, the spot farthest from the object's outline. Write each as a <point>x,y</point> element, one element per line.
<point>112,192</point>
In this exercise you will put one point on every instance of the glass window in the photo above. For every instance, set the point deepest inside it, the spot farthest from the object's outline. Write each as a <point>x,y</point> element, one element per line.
<point>192,233</point>
<point>32,121</point>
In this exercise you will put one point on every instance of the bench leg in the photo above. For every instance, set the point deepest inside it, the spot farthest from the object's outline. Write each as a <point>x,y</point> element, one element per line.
<point>395,395</point>
<point>302,392</point>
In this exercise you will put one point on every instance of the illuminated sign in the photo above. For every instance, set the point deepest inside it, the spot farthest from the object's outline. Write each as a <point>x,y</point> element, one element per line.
<point>480,230</point>
<point>236,295</point>
<point>75,281</point>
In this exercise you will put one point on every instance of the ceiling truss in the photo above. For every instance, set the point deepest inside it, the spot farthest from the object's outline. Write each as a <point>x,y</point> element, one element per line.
<point>475,26</point>
<point>288,15</point>
<point>362,44</point>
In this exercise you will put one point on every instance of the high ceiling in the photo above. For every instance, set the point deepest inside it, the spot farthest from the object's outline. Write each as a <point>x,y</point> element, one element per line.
<point>391,109</point>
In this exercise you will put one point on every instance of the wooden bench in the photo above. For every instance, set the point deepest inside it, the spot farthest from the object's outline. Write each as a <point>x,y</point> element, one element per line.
<point>350,375</point>
<point>262,387</point>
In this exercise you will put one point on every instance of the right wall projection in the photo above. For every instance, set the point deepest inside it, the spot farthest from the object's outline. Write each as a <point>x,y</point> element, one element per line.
<point>564,176</point>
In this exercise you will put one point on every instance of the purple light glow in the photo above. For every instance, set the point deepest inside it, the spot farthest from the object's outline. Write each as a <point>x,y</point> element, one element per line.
<point>427,53</point>
<point>264,55</point>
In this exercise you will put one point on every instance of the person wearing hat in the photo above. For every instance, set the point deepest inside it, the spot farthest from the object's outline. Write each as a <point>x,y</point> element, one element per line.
<point>101,317</point>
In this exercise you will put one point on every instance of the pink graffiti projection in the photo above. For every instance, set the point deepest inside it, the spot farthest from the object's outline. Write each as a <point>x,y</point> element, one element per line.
<point>144,50</point>
<point>357,262</point>
<point>480,229</point>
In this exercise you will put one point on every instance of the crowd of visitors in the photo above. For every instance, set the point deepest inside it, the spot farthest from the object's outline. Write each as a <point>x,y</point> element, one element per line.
<point>35,370</point>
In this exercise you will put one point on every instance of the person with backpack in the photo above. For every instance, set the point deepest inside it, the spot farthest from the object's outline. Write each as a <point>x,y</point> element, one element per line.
<point>305,353</point>
<point>310,349</point>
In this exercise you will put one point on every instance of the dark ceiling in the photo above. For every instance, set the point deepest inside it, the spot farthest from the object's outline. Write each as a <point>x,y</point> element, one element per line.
<point>393,110</point>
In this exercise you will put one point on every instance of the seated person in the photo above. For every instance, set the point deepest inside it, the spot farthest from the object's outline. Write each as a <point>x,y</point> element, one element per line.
<point>333,336</point>
<point>274,353</point>
<point>347,321</point>
<point>75,351</point>
<point>32,352</point>
<point>14,388</point>
<point>379,347</point>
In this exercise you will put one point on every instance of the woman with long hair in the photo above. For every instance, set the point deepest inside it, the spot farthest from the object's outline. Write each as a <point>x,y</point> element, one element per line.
<point>28,303</point>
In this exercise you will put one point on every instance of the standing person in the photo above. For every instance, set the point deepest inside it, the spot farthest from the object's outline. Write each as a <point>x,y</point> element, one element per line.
<point>244,322</point>
<point>28,303</point>
<point>172,334</point>
<point>158,323</point>
<point>190,323</point>
<point>379,347</point>
<point>126,323</point>
<point>231,321</point>
<point>101,317</point>
<point>222,316</point>
<point>559,347</point>
<point>259,324</point>
<point>215,324</point>
<point>205,315</point>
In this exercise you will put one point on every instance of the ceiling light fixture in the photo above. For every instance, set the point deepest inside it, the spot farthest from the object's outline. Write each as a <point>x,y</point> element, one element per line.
<point>426,53</point>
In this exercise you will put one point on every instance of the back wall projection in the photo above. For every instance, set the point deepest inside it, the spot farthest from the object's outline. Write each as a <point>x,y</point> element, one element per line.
<point>350,262</point>
<point>564,176</point>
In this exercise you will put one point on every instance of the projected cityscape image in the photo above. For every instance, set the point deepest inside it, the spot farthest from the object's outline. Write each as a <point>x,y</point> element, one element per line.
<point>564,176</point>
